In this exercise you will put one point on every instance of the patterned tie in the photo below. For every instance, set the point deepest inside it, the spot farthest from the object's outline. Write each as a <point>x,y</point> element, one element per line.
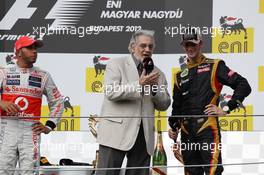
<point>140,69</point>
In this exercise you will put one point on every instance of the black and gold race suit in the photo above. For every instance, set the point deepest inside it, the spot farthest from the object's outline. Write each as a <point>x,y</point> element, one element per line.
<point>196,87</point>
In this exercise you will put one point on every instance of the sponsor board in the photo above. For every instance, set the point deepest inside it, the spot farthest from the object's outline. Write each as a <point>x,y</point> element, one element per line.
<point>240,123</point>
<point>173,79</point>
<point>95,76</point>
<point>261,78</point>
<point>71,122</point>
<point>163,119</point>
<point>261,6</point>
<point>234,43</point>
<point>234,36</point>
<point>93,84</point>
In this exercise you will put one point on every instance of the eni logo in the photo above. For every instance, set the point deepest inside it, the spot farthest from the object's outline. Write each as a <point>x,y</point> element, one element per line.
<point>99,65</point>
<point>232,25</point>
<point>95,76</point>
<point>70,120</point>
<point>22,102</point>
<point>236,121</point>
<point>234,36</point>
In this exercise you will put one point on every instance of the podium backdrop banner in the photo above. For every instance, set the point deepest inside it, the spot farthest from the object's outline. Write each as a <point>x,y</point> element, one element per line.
<point>90,26</point>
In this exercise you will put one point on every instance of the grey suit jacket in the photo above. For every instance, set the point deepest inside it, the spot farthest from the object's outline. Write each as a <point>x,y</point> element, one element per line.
<point>124,99</point>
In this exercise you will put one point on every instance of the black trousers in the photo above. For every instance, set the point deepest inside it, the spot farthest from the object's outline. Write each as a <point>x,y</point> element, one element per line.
<point>136,157</point>
<point>201,145</point>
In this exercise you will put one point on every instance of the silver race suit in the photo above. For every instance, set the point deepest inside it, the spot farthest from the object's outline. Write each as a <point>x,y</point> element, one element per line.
<point>25,87</point>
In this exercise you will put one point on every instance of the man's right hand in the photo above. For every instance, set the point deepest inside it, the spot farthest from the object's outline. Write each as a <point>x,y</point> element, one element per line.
<point>9,107</point>
<point>173,134</point>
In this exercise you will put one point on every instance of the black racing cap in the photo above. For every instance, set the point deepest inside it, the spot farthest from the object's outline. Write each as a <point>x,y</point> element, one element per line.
<point>192,35</point>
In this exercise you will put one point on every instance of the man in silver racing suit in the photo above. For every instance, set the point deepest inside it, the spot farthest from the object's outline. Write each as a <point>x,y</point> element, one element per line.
<point>22,86</point>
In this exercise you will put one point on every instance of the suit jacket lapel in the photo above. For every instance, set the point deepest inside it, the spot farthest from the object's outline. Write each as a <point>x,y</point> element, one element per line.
<point>132,69</point>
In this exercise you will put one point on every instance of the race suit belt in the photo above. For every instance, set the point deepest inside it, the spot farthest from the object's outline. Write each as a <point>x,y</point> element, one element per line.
<point>197,120</point>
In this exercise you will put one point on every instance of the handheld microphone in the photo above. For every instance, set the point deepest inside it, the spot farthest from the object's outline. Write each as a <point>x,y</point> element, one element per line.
<point>148,65</point>
<point>72,163</point>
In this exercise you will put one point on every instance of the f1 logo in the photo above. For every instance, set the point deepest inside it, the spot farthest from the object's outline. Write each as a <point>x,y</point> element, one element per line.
<point>19,10</point>
<point>69,17</point>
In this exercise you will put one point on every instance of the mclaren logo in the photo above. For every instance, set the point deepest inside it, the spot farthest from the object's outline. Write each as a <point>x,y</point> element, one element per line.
<point>65,12</point>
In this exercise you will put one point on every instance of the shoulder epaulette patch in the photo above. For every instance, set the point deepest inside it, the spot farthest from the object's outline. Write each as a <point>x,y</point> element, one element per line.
<point>209,60</point>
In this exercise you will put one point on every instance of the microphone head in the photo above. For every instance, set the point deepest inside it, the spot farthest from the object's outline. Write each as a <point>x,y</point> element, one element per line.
<point>148,65</point>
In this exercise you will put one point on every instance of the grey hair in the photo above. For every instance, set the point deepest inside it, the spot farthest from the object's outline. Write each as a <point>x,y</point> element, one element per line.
<point>138,33</point>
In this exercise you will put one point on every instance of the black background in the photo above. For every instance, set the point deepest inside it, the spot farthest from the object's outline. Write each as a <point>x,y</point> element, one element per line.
<point>195,13</point>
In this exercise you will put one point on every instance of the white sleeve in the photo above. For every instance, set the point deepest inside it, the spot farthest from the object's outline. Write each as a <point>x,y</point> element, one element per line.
<point>55,102</point>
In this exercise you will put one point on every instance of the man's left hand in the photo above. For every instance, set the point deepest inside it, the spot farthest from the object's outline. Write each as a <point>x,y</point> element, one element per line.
<point>39,128</point>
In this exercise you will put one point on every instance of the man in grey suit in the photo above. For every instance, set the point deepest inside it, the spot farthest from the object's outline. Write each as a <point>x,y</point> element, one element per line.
<point>132,95</point>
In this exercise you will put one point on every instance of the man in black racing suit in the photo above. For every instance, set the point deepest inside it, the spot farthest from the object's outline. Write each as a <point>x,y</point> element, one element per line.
<point>196,92</point>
